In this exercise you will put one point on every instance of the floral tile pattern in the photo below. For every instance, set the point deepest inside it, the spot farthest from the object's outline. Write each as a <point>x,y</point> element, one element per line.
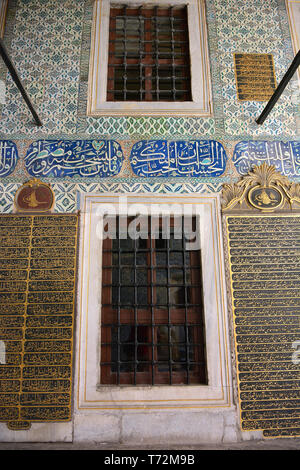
<point>46,48</point>
<point>252,27</point>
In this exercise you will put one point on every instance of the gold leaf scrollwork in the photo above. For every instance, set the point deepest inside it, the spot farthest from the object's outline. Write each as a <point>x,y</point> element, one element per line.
<point>263,176</point>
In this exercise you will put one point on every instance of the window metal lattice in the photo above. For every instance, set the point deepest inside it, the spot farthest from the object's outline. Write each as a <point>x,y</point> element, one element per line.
<point>149,56</point>
<point>152,312</point>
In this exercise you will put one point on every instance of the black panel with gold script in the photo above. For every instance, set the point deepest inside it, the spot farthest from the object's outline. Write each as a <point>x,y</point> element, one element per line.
<point>255,76</point>
<point>265,277</point>
<point>37,295</point>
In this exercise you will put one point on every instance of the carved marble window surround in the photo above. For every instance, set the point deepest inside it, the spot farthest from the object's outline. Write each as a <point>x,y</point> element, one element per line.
<point>201,104</point>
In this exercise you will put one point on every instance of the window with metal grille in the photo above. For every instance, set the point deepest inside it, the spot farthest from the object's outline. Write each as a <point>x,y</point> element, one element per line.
<point>149,56</point>
<point>152,328</point>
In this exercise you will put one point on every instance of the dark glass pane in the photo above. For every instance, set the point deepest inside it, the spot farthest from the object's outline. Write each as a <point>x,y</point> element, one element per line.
<point>127,245</point>
<point>178,334</point>
<point>161,259</point>
<point>176,258</point>
<point>127,352</point>
<point>143,334</point>
<point>127,333</point>
<point>127,276</point>
<point>176,276</point>
<point>142,295</point>
<point>160,244</point>
<point>127,296</point>
<point>141,259</point>
<point>114,295</point>
<point>127,367</point>
<point>144,352</point>
<point>163,353</point>
<point>161,276</point>
<point>144,367</point>
<point>162,334</point>
<point>115,244</point>
<point>177,295</point>
<point>127,259</point>
<point>142,244</point>
<point>142,276</point>
<point>161,295</point>
<point>175,244</point>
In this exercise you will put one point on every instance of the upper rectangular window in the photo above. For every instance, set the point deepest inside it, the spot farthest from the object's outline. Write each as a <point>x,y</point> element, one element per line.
<point>149,58</point>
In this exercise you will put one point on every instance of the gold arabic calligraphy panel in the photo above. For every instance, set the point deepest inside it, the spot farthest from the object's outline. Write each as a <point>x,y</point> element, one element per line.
<point>265,278</point>
<point>37,294</point>
<point>255,76</point>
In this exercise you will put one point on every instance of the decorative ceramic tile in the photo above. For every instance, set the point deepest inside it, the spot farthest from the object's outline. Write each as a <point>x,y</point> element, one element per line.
<point>8,157</point>
<point>252,27</point>
<point>164,158</point>
<point>150,126</point>
<point>67,194</point>
<point>85,158</point>
<point>285,156</point>
<point>46,51</point>
<point>7,195</point>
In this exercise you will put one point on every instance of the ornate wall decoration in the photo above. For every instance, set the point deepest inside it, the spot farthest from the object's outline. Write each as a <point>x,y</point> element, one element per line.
<point>8,157</point>
<point>263,189</point>
<point>265,282</point>
<point>152,158</point>
<point>285,156</point>
<point>255,76</point>
<point>37,296</point>
<point>34,196</point>
<point>84,158</point>
<point>264,247</point>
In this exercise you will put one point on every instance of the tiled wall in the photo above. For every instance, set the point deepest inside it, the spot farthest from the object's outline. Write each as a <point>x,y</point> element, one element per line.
<point>49,42</point>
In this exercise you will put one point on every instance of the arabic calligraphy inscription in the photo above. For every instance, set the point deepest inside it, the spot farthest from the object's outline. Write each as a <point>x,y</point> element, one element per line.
<point>285,156</point>
<point>36,317</point>
<point>255,76</point>
<point>84,158</point>
<point>162,158</point>
<point>8,157</point>
<point>265,277</point>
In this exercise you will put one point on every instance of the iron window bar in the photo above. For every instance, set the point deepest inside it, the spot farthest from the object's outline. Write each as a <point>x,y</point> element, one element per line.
<point>191,328</point>
<point>151,71</point>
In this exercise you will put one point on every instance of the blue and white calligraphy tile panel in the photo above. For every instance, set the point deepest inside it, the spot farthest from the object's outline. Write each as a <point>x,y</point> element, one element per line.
<point>285,156</point>
<point>8,157</point>
<point>84,158</point>
<point>162,158</point>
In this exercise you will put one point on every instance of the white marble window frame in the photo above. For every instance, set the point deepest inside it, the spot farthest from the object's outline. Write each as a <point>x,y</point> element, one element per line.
<point>293,11</point>
<point>201,104</point>
<point>3,11</point>
<point>91,395</point>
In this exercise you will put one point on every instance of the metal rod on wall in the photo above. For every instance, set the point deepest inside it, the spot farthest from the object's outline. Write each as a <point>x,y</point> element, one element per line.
<point>274,98</point>
<point>14,74</point>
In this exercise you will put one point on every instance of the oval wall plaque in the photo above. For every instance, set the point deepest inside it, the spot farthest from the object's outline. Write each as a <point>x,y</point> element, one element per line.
<point>34,196</point>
